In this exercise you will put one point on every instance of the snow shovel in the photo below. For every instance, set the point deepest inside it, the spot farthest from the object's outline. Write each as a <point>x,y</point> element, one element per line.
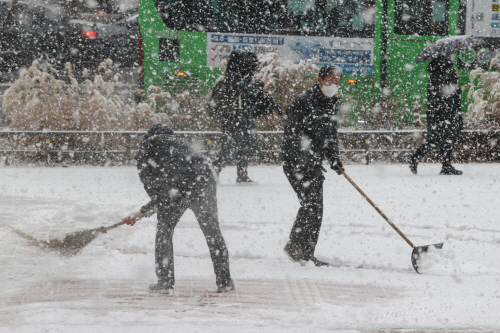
<point>72,243</point>
<point>417,250</point>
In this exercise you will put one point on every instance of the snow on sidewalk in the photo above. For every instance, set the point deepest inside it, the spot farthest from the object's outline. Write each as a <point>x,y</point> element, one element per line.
<point>373,287</point>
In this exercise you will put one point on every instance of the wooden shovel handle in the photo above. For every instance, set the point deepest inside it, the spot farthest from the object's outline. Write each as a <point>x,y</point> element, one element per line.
<point>376,208</point>
<point>116,225</point>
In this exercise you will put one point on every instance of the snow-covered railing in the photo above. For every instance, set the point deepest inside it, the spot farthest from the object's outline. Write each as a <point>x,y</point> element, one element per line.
<point>363,146</point>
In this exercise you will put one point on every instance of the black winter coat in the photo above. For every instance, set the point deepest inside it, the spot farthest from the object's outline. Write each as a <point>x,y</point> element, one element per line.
<point>310,131</point>
<point>444,115</point>
<point>237,102</point>
<point>239,124</point>
<point>170,169</point>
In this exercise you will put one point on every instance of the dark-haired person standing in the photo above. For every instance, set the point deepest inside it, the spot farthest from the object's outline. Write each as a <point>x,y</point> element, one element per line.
<point>310,136</point>
<point>444,115</point>
<point>236,102</point>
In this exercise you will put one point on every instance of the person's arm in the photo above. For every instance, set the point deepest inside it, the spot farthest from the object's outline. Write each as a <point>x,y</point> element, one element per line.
<point>294,125</point>
<point>218,105</point>
<point>333,155</point>
<point>148,209</point>
<point>263,102</point>
<point>331,135</point>
<point>443,79</point>
<point>148,169</point>
<point>332,144</point>
<point>331,140</point>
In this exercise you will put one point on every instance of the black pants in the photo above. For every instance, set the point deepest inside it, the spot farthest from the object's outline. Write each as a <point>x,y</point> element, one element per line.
<point>309,190</point>
<point>445,149</point>
<point>204,206</point>
<point>231,150</point>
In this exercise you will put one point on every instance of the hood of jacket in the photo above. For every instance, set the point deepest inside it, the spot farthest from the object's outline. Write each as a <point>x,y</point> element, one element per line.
<point>241,67</point>
<point>158,129</point>
<point>439,65</point>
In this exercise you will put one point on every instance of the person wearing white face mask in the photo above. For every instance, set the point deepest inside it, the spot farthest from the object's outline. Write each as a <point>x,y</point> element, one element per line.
<point>310,136</point>
<point>329,90</point>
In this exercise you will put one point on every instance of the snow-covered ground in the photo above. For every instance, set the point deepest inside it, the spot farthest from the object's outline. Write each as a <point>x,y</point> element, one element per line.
<point>373,288</point>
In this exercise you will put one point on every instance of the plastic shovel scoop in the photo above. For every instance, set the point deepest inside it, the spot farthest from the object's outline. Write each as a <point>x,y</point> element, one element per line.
<point>418,250</point>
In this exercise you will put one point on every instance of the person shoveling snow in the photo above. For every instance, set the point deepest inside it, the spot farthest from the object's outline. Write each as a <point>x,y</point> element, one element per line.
<point>177,178</point>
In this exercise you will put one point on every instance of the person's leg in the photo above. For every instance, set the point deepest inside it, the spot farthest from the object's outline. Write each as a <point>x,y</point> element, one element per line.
<point>424,150</point>
<point>305,231</point>
<point>242,159</point>
<point>421,151</point>
<point>248,146</point>
<point>446,157</point>
<point>204,207</point>
<point>224,154</point>
<point>168,217</point>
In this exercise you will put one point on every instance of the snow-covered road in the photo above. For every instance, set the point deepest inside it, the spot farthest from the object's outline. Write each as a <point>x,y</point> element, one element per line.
<point>374,287</point>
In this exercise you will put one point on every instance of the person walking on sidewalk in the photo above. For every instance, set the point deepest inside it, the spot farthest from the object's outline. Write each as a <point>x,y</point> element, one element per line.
<point>236,103</point>
<point>444,115</point>
<point>176,178</point>
<point>310,136</point>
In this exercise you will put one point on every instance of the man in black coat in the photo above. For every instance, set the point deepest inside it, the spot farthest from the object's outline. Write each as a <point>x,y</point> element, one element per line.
<point>237,103</point>
<point>444,115</point>
<point>310,136</point>
<point>176,178</point>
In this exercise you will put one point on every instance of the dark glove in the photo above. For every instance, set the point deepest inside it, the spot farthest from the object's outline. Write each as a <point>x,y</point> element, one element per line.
<point>337,166</point>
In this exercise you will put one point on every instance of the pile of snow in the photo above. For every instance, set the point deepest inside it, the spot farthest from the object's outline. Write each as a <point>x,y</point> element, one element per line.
<point>446,262</point>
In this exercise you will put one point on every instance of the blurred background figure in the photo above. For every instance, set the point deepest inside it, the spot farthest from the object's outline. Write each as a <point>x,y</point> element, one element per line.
<point>444,116</point>
<point>237,102</point>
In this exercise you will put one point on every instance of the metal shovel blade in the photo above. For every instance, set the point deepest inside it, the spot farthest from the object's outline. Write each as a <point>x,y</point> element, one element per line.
<point>417,250</point>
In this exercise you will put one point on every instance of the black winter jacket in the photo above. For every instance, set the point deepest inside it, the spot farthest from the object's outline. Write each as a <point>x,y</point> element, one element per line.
<point>444,115</point>
<point>235,100</point>
<point>170,169</point>
<point>311,131</point>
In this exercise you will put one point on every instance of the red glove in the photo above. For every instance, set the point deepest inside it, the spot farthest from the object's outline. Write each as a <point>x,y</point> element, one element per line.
<point>132,218</point>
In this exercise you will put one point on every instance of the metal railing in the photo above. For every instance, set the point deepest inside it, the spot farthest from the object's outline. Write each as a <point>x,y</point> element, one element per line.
<point>363,146</point>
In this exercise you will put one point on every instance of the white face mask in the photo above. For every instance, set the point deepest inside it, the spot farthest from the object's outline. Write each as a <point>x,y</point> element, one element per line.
<point>330,91</point>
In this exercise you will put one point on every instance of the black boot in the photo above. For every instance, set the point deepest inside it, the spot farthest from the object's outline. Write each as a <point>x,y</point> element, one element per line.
<point>412,163</point>
<point>161,288</point>
<point>319,263</point>
<point>295,254</point>
<point>230,286</point>
<point>241,170</point>
<point>244,180</point>
<point>450,170</point>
